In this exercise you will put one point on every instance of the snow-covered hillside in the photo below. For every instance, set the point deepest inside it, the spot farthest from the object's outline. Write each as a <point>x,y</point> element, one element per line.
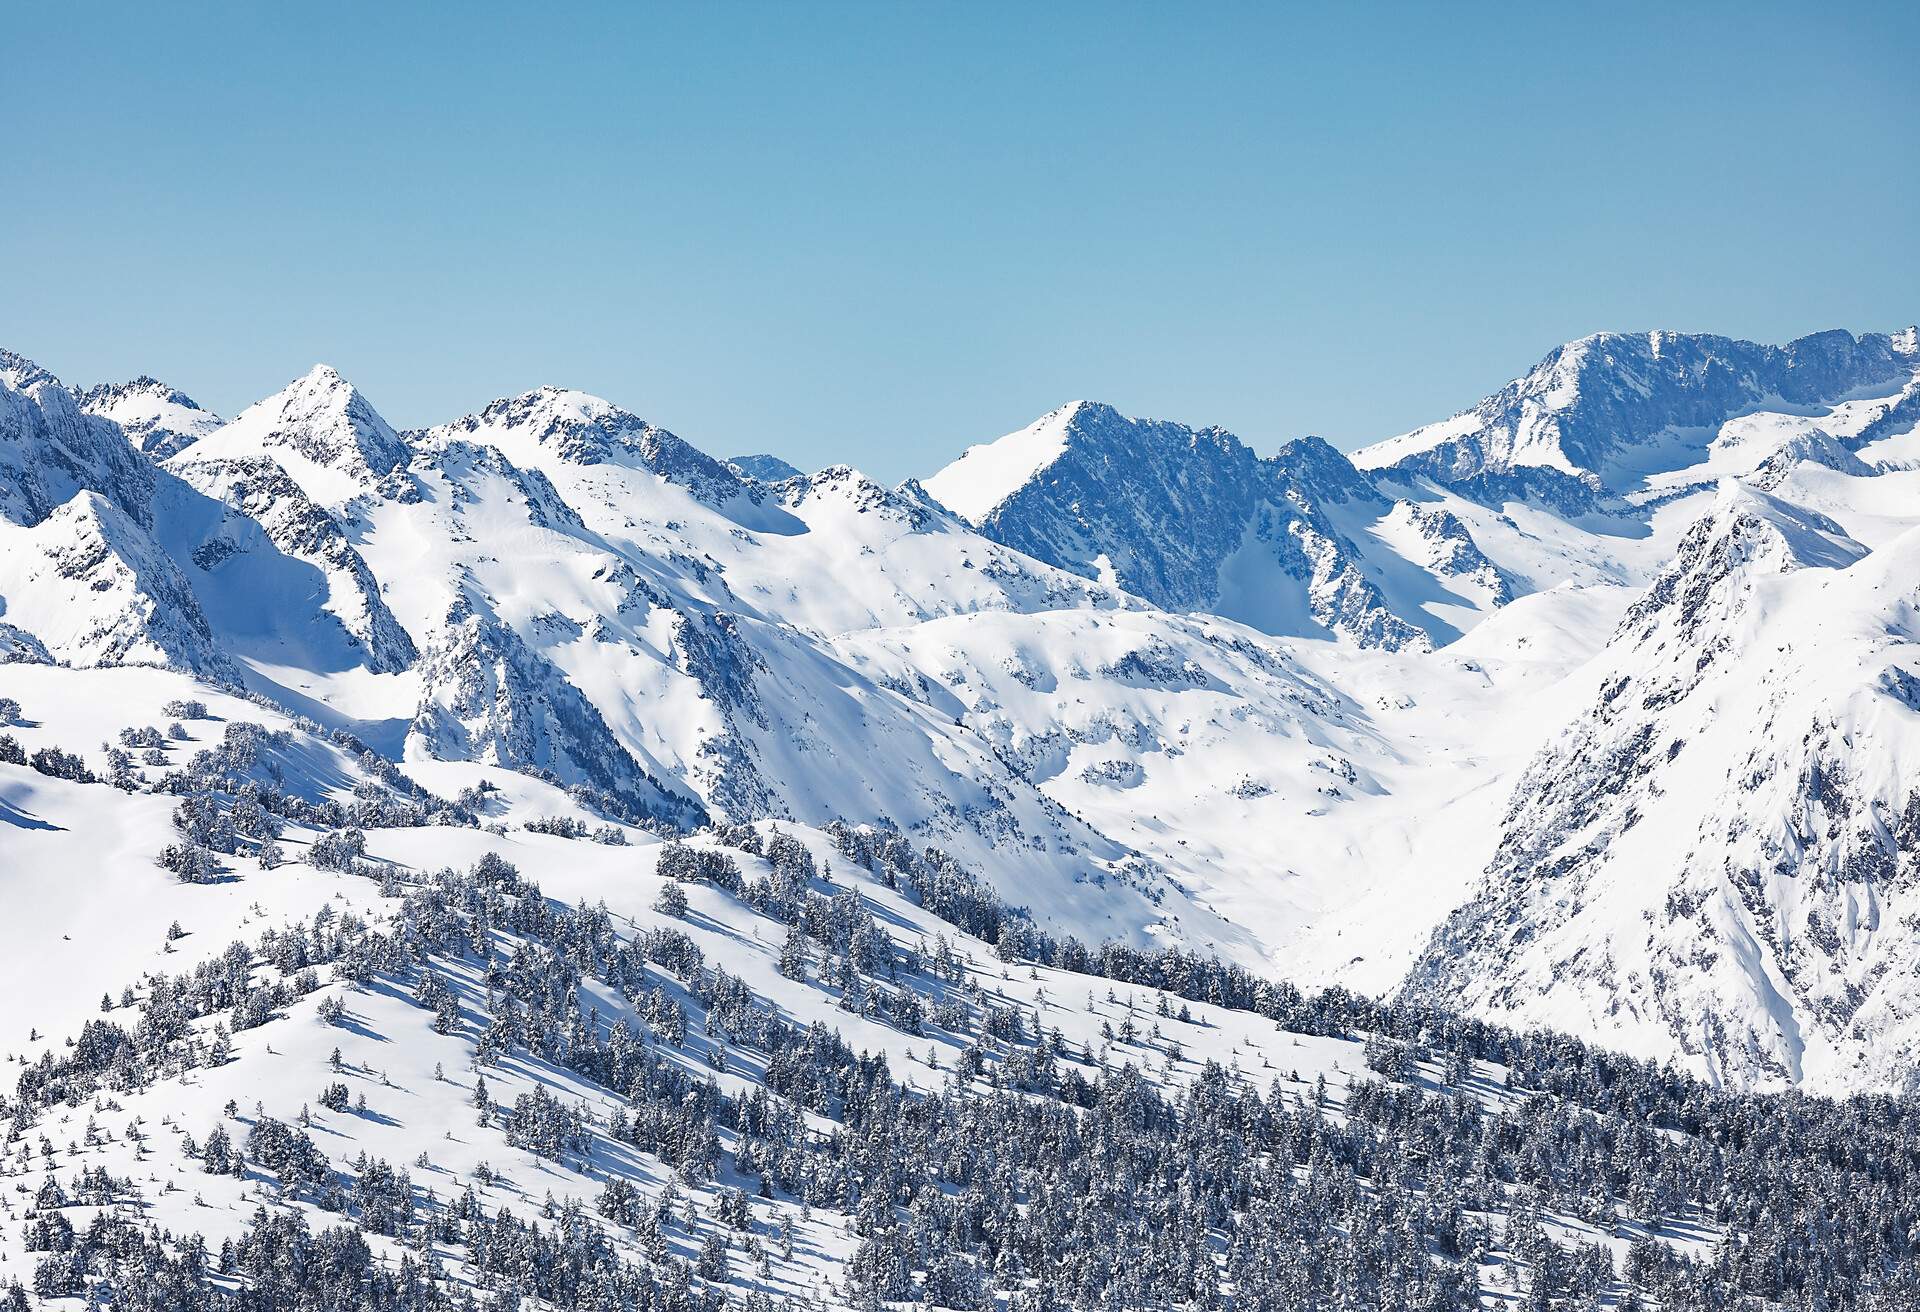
<point>366,1044</point>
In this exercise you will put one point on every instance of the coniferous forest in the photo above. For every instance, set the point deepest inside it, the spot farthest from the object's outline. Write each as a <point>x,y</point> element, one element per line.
<point>1040,1173</point>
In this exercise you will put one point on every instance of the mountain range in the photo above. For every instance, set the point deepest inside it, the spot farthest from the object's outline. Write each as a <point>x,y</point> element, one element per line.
<point>1591,706</point>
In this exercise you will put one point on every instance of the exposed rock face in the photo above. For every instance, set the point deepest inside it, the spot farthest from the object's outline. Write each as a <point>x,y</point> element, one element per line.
<point>1451,552</point>
<point>51,449</point>
<point>487,696</point>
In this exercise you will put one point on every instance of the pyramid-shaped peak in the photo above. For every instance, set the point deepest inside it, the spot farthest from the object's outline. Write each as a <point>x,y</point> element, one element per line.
<point>986,475</point>
<point>321,429</point>
<point>321,386</point>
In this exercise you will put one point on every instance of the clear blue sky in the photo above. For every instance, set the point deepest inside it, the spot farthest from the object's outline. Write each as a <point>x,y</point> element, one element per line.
<point>878,233</point>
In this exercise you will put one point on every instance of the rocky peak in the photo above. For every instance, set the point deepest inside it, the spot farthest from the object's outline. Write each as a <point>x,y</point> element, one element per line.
<point>1610,405</point>
<point>106,394</point>
<point>1747,536</point>
<point>763,467</point>
<point>322,429</point>
<point>20,373</point>
<point>1186,518</point>
<point>161,420</point>
<point>553,424</point>
<point>908,504</point>
<point>575,426</point>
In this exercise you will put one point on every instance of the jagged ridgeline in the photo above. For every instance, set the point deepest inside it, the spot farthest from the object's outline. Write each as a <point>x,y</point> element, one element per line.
<point>528,862</point>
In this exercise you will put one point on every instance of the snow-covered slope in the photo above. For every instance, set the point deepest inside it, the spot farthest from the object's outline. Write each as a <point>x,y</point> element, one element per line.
<point>95,587</point>
<point>409,1051</point>
<point>1716,853</point>
<point>267,521</point>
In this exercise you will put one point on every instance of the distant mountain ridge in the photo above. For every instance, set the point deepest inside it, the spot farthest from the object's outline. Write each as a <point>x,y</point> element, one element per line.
<point>1163,510</point>
<point>1594,407</point>
<point>766,468</point>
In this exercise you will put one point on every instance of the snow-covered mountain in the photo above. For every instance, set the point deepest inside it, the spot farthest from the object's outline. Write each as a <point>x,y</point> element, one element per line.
<point>766,468</point>
<point>1339,720</point>
<point>1297,544</point>
<point>320,430</point>
<point>1608,410</point>
<point>158,419</point>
